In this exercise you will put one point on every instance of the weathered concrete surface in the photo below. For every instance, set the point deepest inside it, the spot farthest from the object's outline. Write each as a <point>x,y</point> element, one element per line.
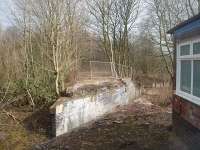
<point>73,113</point>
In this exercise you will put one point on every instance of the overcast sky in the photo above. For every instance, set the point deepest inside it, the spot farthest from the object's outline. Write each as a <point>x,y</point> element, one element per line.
<point>5,6</point>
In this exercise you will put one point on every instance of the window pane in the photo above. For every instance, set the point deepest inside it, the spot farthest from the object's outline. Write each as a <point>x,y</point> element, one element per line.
<point>196,48</point>
<point>186,76</point>
<point>185,50</point>
<point>196,84</point>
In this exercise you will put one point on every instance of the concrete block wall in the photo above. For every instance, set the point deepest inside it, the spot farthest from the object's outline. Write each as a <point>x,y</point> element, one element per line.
<point>71,114</point>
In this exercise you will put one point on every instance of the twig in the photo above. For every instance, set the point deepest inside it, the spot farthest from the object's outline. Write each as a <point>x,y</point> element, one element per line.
<point>7,125</point>
<point>32,101</point>
<point>8,102</point>
<point>12,116</point>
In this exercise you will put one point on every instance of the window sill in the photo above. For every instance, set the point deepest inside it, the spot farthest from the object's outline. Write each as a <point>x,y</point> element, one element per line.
<point>189,57</point>
<point>188,97</point>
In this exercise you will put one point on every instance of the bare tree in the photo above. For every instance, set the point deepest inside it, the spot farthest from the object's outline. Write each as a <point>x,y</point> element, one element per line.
<point>165,15</point>
<point>114,20</point>
<point>50,31</point>
<point>192,7</point>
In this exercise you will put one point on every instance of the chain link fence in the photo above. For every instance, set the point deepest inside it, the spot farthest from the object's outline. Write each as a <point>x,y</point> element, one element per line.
<point>91,70</point>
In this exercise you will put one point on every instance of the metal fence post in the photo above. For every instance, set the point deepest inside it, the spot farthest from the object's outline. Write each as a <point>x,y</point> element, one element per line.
<point>90,70</point>
<point>131,72</point>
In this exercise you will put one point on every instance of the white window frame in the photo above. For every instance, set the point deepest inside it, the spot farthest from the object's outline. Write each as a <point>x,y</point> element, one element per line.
<point>179,92</point>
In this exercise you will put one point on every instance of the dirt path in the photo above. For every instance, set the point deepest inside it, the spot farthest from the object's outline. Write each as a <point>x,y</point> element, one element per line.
<point>139,126</point>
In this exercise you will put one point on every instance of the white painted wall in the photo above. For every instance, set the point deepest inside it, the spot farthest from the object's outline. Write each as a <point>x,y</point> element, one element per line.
<point>73,114</point>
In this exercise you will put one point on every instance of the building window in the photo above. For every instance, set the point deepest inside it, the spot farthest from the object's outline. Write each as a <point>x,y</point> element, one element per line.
<point>196,78</point>
<point>196,48</point>
<point>186,76</point>
<point>185,50</point>
<point>188,71</point>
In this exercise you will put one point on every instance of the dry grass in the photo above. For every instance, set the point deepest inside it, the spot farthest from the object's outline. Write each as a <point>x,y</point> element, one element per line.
<point>14,135</point>
<point>161,96</point>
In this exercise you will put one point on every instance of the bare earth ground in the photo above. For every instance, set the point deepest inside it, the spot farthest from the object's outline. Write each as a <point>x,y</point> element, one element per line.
<point>127,129</point>
<point>138,126</point>
<point>144,125</point>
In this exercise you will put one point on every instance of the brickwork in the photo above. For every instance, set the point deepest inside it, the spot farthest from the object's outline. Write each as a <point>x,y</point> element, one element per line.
<point>187,110</point>
<point>187,134</point>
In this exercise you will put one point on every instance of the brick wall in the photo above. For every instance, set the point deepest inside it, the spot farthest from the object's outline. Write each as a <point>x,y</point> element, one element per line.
<point>187,110</point>
<point>188,136</point>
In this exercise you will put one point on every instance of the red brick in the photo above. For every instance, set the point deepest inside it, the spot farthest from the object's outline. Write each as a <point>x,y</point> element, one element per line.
<point>187,110</point>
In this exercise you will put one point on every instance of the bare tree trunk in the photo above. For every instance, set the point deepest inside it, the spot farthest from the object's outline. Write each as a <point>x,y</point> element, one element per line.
<point>191,7</point>
<point>198,6</point>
